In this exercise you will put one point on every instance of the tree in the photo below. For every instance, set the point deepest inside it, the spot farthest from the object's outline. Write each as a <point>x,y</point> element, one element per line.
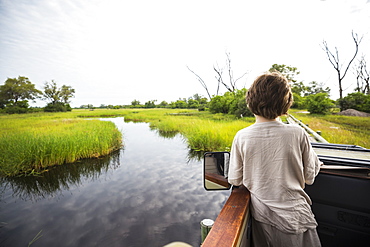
<point>135,103</point>
<point>59,97</point>
<point>66,92</point>
<point>150,104</point>
<point>192,103</point>
<point>229,84</point>
<point>163,104</point>
<point>334,60</point>
<point>299,88</point>
<point>201,81</point>
<point>219,104</point>
<point>18,89</point>
<point>181,104</point>
<point>362,76</point>
<point>357,101</point>
<point>315,88</point>
<point>288,71</point>
<point>298,101</point>
<point>230,103</point>
<point>318,103</point>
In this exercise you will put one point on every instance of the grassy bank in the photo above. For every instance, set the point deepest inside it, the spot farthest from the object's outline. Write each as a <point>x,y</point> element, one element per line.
<point>31,143</point>
<point>339,129</point>
<point>203,131</point>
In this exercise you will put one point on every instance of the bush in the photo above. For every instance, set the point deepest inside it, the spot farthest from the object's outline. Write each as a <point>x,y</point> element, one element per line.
<point>298,101</point>
<point>357,101</point>
<point>218,104</point>
<point>17,107</point>
<point>231,103</point>
<point>15,110</point>
<point>319,103</point>
<point>57,107</point>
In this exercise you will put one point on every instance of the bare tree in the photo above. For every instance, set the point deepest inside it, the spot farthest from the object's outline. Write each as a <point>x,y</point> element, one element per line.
<point>201,82</point>
<point>362,76</point>
<point>218,77</point>
<point>230,85</point>
<point>334,60</point>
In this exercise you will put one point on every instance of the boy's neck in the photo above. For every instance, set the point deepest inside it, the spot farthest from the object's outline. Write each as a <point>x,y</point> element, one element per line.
<point>260,119</point>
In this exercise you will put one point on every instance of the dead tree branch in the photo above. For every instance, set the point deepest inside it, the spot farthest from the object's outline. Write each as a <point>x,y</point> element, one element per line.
<point>362,76</point>
<point>219,78</point>
<point>334,60</point>
<point>204,85</point>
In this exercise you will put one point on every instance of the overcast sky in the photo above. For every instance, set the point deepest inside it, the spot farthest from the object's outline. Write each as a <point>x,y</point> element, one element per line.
<point>115,51</point>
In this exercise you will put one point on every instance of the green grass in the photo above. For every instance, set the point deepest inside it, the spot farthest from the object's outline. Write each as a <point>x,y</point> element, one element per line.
<point>30,144</point>
<point>203,131</point>
<point>339,129</point>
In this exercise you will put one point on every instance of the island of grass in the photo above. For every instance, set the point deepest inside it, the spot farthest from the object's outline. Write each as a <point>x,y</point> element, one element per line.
<point>30,143</point>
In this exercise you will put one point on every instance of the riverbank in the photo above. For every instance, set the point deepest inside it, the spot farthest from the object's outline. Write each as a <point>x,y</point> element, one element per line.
<point>29,143</point>
<point>339,129</point>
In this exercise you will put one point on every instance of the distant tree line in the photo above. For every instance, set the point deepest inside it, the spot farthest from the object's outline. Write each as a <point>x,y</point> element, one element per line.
<point>315,98</point>
<point>194,102</point>
<point>17,92</point>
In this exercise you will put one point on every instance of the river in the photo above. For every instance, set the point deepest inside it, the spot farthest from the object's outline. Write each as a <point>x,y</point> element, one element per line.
<point>149,193</point>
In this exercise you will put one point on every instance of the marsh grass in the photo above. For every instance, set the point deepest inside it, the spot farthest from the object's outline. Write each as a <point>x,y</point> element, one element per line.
<point>339,129</point>
<point>202,131</point>
<point>30,145</point>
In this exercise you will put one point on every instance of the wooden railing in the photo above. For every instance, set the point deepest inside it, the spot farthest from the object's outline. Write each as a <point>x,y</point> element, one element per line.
<point>218,179</point>
<point>230,227</point>
<point>316,136</point>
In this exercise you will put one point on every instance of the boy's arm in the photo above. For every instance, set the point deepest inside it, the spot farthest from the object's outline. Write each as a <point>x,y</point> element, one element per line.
<point>311,163</point>
<point>235,176</point>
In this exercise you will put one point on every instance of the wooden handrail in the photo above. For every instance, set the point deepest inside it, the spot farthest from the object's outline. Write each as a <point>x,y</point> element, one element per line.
<point>310,131</point>
<point>218,179</point>
<point>230,224</point>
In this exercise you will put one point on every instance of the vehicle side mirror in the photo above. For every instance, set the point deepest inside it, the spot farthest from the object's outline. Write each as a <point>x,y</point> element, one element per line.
<point>215,170</point>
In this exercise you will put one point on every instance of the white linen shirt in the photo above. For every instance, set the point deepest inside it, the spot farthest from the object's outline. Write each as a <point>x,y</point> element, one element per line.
<point>273,161</point>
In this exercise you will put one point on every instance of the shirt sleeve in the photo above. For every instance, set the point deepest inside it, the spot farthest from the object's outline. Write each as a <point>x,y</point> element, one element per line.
<point>311,163</point>
<point>235,176</point>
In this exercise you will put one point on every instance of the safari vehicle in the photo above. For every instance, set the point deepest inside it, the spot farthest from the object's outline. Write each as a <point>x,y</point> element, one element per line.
<point>340,196</point>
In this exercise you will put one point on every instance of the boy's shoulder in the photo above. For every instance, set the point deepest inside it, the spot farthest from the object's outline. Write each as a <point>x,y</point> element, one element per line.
<point>272,126</point>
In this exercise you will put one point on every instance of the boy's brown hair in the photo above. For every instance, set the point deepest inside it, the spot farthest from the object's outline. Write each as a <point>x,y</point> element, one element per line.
<point>270,95</point>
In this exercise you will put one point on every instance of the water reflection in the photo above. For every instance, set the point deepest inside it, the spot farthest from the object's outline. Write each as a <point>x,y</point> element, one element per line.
<point>60,178</point>
<point>148,194</point>
<point>166,134</point>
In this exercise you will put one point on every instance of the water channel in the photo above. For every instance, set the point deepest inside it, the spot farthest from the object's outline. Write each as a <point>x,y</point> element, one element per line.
<point>149,193</point>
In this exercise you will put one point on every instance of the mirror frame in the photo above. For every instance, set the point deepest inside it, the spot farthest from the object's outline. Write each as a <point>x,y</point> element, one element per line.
<point>220,182</point>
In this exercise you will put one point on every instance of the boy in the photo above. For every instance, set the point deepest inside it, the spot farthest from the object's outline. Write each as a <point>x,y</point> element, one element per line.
<point>273,161</point>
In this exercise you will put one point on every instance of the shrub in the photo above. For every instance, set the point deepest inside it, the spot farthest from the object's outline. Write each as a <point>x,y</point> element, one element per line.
<point>231,103</point>
<point>357,101</point>
<point>319,103</point>
<point>298,101</point>
<point>17,107</point>
<point>57,107</point>
<point>218,104</point>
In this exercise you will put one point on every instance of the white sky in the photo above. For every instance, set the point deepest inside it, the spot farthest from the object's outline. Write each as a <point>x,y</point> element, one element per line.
<point>115,51</point>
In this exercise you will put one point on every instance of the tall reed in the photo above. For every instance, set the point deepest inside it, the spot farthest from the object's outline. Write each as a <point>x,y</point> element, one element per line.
<point>202,134</point>
<point>28,145</point>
